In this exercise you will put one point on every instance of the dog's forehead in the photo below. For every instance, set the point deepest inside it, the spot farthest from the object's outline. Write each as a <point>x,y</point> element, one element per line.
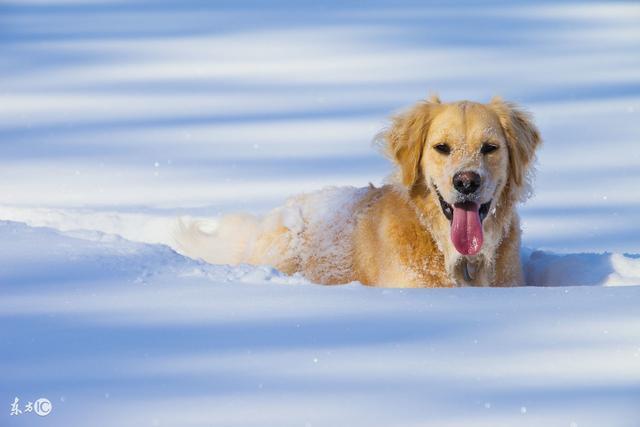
<point>482,121</point>
<point>464,121</point>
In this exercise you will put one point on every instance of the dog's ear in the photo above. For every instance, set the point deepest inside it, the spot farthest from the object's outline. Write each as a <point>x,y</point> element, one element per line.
<point>522,138</point>
<point>406,137</point>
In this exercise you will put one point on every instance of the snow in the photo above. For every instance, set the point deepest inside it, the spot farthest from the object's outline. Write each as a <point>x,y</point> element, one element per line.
<point>118,118</point>
<point>542,268</point>
<point>129,334</point>
<point>549,269</point>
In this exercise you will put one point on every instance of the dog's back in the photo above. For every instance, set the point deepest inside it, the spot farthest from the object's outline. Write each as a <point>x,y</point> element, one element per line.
<point>311,234</point>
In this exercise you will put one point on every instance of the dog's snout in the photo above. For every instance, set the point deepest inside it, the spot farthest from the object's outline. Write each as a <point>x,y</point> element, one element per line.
<point>466,182</point>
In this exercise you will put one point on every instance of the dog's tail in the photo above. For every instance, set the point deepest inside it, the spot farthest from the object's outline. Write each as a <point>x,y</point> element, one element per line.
<point>227,240</point>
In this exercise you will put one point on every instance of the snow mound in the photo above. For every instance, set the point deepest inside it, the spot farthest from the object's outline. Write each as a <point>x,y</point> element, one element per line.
<point>94,256</point>
<point>606,269</point>
<point>81,250</point>
<point>134,226</point>
<point>80,255</point>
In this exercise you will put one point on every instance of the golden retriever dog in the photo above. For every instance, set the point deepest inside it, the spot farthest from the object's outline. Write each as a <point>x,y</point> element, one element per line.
<point>447,218</point>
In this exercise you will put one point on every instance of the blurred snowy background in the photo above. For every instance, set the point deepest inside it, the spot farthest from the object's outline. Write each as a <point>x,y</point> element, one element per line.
<point>199,107</point>
<point>116,116</point>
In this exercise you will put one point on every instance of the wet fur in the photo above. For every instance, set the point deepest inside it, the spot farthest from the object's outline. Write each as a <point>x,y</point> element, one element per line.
<point>397,235</point>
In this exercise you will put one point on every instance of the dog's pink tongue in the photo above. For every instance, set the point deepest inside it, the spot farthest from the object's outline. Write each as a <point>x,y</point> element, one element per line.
<point>466,228</point>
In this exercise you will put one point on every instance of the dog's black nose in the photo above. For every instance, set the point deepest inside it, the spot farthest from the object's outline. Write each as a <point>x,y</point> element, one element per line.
<point>466,182</point>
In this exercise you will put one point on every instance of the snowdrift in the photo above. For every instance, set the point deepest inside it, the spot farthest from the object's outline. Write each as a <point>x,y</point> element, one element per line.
<point>542,268</point>
<point>128,334</point>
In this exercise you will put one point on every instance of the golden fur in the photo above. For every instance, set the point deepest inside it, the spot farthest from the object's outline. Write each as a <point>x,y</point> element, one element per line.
<point>397,235</point>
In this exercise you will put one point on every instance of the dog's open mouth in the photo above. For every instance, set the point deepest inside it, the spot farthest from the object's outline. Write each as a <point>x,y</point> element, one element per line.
<point>466,224</point>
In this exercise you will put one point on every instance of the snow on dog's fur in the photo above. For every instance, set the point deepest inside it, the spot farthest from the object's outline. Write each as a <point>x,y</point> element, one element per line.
<point>447,219</point>
<point>310,229</point>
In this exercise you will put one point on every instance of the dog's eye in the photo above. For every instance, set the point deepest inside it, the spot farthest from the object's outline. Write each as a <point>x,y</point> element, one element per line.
<point>442,148</point>
<point>488,148</point>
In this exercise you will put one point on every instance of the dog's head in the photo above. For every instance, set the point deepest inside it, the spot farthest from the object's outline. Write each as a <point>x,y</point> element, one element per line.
<point>468,156</point>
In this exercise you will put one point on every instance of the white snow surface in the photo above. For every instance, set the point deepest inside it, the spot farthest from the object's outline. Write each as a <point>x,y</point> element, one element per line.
<point>118,118</point>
